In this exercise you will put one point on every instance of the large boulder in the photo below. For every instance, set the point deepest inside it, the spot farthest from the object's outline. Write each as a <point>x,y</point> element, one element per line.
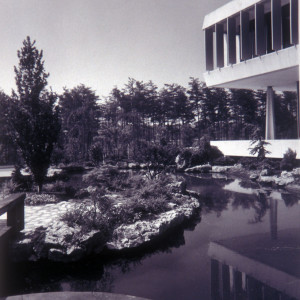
<point>180,162</point>
<point>200,169</point>
<point>58,242</point>
<point>220,169</point>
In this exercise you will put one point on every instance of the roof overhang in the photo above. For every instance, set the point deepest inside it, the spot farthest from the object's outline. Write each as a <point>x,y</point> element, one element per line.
<point>227,10</point>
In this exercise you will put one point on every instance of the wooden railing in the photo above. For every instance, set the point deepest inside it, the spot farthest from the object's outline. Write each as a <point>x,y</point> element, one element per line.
<point>13,205</point>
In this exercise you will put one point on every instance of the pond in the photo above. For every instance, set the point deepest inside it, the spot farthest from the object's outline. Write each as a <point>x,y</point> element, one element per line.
<point>244,244</point>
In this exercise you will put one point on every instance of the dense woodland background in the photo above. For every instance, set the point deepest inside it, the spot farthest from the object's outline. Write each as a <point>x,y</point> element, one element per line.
<point>140,114</point>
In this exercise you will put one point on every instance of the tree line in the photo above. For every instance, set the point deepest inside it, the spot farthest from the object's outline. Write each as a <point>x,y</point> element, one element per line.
<point>84,127</point>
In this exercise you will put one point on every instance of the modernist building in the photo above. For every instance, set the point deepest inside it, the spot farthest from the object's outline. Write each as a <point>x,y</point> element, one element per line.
<point>254,44</point>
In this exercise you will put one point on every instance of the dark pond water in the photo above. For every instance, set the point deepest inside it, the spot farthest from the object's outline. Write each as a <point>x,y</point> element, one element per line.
<point>244,244</point>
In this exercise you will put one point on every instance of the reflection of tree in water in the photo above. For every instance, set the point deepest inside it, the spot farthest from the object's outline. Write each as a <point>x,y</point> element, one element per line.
<point>290,199</point>
<point>213,202</point>
<point>258,202</point>
<point>213,197</point>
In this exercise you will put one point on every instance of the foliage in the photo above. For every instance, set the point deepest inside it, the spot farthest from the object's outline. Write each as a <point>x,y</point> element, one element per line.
<point>259,145</point>
<point>20,181</point>
<point>158,157</point>
<point>8,153</point>
<point>202,154</point>
<point>33,116</point>
<point>145,198</point>
<point>224,161</point>
<point>289,160</point>
<point>96,153</point>
<point>80,114</point>
<point>40,199</point>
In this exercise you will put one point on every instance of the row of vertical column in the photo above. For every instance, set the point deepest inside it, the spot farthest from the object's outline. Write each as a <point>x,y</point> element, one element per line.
<point>262,32</point>
<point>230,284</point>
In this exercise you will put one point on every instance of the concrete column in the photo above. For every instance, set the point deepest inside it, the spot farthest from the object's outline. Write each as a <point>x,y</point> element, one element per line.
<point>215,280</point>
<point>273,218</point>
<point>238,288</point>
<point>225,282</point>
<point>270,115</point>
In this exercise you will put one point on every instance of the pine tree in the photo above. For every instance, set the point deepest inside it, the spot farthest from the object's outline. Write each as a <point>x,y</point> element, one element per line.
<point>33,116</point>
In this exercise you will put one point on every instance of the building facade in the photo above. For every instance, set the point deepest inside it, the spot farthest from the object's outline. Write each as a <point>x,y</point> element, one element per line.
<point>254,44</point>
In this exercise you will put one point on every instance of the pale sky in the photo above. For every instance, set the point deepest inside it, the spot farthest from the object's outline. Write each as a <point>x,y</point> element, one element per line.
<point>101,43</point>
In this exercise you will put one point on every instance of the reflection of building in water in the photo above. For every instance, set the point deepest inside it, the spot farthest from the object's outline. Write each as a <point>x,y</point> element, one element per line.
<point>256,267</point>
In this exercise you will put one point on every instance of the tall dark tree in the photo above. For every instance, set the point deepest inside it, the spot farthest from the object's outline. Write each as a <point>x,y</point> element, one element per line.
<point>80,114</point>
<point>33,116</point>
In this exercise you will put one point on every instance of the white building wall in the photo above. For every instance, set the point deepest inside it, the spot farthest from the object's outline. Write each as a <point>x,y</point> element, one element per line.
<point>241,148</point>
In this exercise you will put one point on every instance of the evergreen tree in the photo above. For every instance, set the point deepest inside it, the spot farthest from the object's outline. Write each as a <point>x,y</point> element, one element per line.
<point>33,116</point>
<point>80,114</point>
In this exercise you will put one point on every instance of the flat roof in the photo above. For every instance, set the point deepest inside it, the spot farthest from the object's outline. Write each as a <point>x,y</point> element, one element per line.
<point>227,10</point>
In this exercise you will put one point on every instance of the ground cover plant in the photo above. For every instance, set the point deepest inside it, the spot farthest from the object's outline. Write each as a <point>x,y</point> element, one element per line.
<point>118,198</point>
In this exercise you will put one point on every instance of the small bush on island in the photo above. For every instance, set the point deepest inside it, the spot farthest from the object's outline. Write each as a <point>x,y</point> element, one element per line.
<point>140,198</point>
<point>202,154</point>
<point>289,160</point>
<point>224,161</point>
<point>251,163</point>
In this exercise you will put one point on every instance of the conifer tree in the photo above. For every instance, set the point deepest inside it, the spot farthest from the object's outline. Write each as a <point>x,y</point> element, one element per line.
<point>33,115</point>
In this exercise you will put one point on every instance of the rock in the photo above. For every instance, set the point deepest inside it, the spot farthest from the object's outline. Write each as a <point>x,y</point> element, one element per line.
<point>254,176</point>
<point>122,165</point>
<point>285,178</point>
<point>220,169</point>
<point>134,235</point>
<point>199,169</point>
<point>267,179</point>
<point>266,172</point>
<point>180,163</point>
<point>296,172</point>
<point>133,166</point>
<point>178,187</point>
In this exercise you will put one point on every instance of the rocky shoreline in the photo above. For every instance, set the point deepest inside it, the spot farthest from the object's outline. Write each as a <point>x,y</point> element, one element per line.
<point>62,243</point>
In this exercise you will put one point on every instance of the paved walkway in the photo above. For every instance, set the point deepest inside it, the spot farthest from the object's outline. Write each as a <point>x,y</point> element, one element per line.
<point>44,215</point>
<point>74,296</point>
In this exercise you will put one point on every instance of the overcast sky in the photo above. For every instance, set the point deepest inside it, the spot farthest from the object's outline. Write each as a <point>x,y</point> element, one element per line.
<point>101,43</point>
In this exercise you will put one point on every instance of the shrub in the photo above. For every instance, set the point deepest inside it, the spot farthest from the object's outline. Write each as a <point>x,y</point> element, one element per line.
<point>21,182</point>
<point>40,199</point>
<point>96,153</point>
<point>203,154</point>
<point>224,161</point>
<point>289,160</point>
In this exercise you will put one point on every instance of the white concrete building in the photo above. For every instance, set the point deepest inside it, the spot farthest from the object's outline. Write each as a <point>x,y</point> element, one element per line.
<point>254,44</point>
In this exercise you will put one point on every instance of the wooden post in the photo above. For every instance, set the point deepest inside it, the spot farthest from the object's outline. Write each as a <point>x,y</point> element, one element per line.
<point>15,216</point>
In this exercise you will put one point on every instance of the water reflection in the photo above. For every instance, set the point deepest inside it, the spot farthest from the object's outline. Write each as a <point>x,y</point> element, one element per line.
<point>178,267</point>
<point>256,267</point>
<point>260,266</point>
